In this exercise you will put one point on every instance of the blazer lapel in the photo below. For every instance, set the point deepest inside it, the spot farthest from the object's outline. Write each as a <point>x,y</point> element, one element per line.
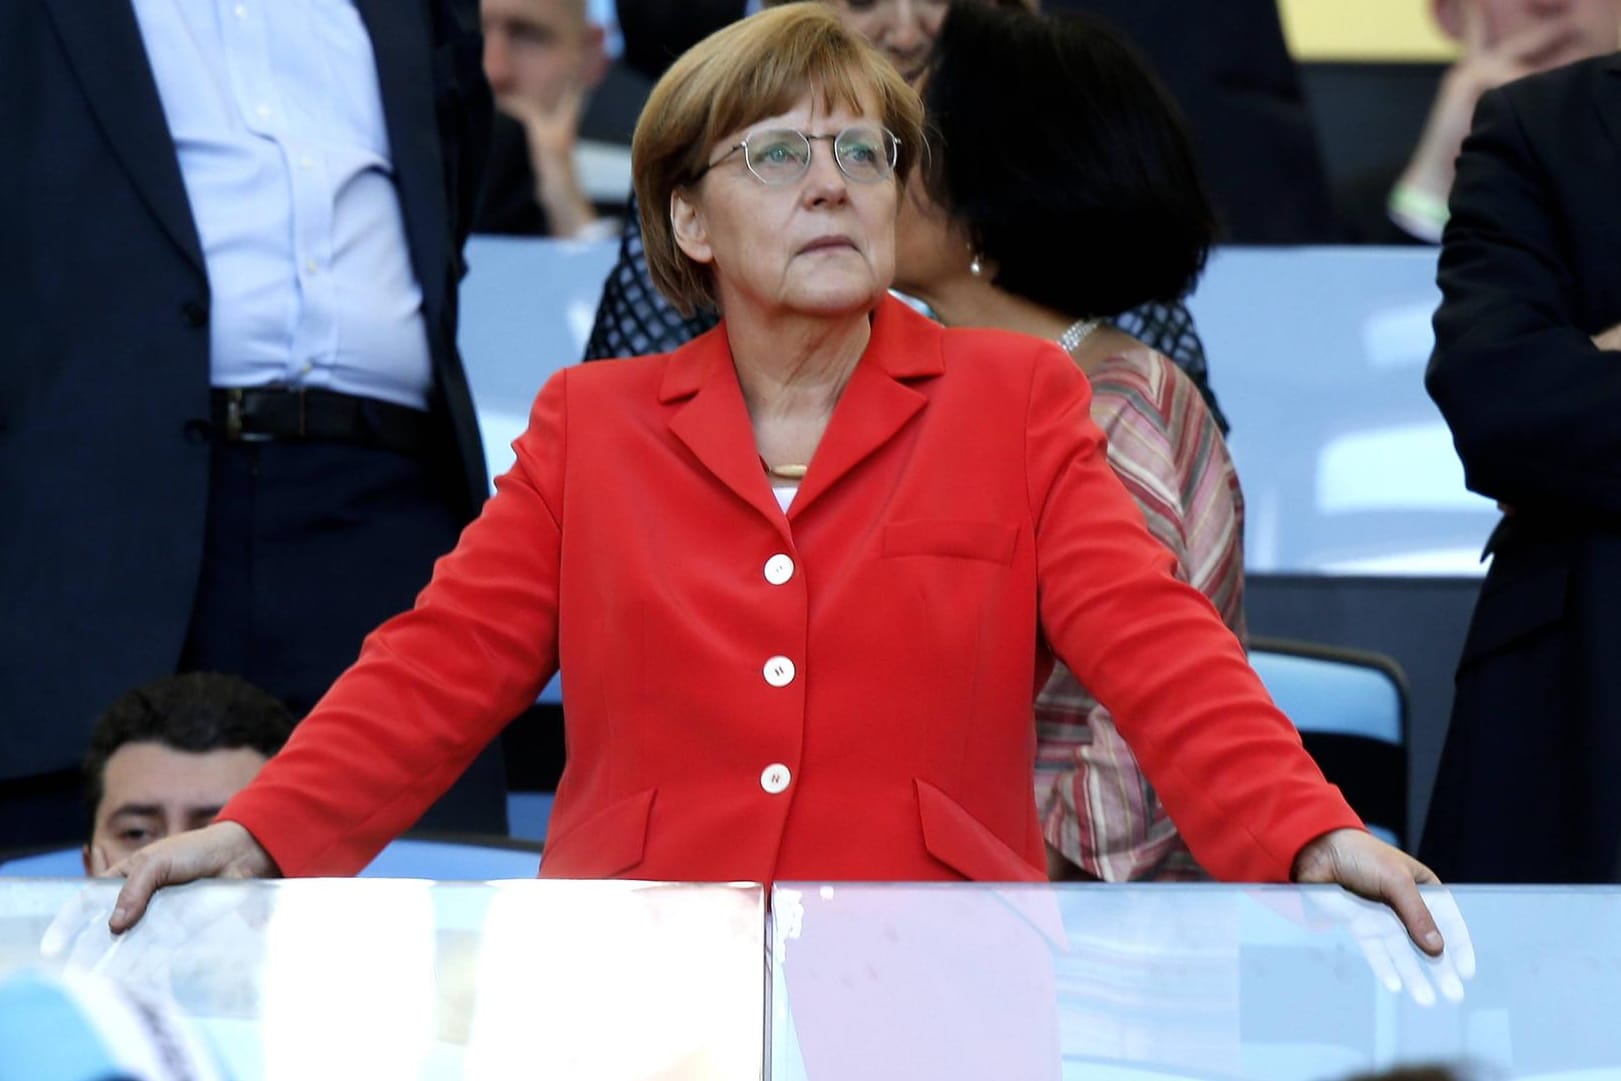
<point>875,406</point>
<point>713,423</point>
<point>103,44</point>
<point>876,403</point>
<point>406,79</point>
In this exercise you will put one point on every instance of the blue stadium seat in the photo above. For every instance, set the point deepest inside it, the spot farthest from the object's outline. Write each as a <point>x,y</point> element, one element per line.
<point>1350,707</point>
<point>55,863</point>
<point>447,859</point>
<point>455,859</point>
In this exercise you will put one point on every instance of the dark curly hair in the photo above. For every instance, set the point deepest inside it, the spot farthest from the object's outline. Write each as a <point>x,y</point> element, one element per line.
<point>195,711</point>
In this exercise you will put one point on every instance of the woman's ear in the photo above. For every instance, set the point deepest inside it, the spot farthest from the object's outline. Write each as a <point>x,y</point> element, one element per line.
<point>687,222</point>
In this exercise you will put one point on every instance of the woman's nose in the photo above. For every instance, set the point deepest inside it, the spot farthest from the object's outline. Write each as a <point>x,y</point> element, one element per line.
<point>905,33</point>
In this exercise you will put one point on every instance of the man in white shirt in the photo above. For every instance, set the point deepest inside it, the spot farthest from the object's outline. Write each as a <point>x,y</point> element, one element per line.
<point>234,430</point>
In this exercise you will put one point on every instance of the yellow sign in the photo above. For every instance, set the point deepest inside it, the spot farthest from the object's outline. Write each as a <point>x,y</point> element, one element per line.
<point>1364,30</point>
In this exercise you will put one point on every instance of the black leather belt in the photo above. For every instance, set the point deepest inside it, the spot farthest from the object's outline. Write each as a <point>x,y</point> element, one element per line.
<point>248,414</point>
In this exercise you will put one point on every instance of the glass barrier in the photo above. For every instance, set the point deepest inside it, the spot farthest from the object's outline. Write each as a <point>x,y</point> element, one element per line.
<point>1195,981</point>
<point>309,979</point>
<point>616,981</point>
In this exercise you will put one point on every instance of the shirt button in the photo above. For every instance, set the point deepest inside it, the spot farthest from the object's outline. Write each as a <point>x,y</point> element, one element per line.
<point>775,777</point>
<point>240,11</point>
<point>779,671</point>
<point>312,266</point>
<point>778,569</point>
<point>306,162</point>
<point>262,112</point>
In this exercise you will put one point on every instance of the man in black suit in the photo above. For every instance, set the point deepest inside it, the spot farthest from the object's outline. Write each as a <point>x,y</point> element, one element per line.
<point>234,429</point>
<point>1527,373</point>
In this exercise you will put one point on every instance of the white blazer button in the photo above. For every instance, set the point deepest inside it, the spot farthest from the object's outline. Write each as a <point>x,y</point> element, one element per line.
<point>778,569</point>
<point>774,779</point>
<point>779,671</point>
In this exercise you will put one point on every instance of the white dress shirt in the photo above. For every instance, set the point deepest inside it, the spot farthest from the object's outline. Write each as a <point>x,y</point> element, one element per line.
<point>277,120</point>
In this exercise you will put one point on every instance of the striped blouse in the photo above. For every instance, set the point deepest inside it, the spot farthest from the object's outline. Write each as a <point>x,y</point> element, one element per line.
<point>1097,808</point>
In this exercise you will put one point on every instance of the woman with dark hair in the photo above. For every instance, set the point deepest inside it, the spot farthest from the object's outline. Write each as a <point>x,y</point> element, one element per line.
<point>1053,144</point>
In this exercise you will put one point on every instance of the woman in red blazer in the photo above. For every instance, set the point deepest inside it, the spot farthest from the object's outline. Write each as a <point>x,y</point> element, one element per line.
<point>805,573</point>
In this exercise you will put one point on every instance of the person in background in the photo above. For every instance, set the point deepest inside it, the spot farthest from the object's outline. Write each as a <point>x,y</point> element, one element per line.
<point>166,756</point>
<point>235,431</point>
<point>632,319</point>
<point>1228,66</point>
<point>542,57</point>
<point>1527,373</point>
<point>1498,41</point>
<point>1090,204</point>
<point>861,538</point>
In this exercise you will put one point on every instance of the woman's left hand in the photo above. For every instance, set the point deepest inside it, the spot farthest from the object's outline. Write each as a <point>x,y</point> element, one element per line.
<point>1370,868</point>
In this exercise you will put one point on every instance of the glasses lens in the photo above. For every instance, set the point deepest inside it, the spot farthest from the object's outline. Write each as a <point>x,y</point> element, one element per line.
<point>865,152</point>
<point>778,157</point>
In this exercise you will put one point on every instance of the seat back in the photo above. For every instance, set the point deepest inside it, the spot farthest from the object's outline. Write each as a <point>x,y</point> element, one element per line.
<point>445,858</point>
<point>1350,707</point>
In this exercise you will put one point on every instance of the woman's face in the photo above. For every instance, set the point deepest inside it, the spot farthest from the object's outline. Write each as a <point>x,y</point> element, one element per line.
<point>903,30</point>
<point>821,245</point>
<point>930,248</point>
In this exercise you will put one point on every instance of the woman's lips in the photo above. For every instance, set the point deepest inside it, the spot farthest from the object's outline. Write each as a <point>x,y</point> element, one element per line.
<point>826,243</point>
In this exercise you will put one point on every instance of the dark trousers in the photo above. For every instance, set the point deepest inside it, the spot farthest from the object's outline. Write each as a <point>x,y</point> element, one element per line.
<point>310,546</point>
<point>1527,788</point>
<point>42,811</point>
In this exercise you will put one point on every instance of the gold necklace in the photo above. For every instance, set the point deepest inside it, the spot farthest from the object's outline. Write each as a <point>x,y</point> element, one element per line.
<point>787,472</point>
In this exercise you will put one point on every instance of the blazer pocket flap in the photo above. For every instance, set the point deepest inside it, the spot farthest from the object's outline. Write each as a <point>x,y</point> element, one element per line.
<point>608,843</point>
<point>965,844</point>
<point>993,541</point>
<point>1515,607</point>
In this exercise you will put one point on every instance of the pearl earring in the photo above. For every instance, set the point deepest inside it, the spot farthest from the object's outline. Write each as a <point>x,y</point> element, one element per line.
<point>976,266</point>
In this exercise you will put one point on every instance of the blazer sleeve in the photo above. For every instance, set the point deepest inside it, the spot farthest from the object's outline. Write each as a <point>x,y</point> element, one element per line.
<point>432,686</point>
<point>1531,401</point>
<point>1227,763</point>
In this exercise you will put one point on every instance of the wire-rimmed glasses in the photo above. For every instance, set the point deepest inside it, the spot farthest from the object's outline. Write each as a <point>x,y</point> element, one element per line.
<point>865,153</point>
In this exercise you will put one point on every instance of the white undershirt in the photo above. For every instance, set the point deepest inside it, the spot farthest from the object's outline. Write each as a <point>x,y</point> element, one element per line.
<point>785,495</point>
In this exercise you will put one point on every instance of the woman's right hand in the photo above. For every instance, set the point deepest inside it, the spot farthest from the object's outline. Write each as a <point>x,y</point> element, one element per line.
<point>220,850</point>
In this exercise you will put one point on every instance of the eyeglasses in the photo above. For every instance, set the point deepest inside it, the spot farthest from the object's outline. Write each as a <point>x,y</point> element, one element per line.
<point>864,152</point>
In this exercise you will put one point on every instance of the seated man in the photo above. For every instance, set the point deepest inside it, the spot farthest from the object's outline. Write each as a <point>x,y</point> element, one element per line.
<point>166,756</point>
<point>1498,41</point>
<point>543,58</point>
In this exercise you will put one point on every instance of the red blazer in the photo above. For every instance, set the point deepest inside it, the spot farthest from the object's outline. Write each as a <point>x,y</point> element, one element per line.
<point>843,692</point>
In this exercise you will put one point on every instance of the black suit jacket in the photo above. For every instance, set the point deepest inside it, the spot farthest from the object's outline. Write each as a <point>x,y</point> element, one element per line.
<point>104,368</point>
<point>1530,270</point>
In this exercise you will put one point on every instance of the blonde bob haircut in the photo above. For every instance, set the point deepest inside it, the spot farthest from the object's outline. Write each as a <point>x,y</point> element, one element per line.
<point>761,66</point>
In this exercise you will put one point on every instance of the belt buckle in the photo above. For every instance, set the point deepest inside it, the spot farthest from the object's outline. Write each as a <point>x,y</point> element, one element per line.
<point>233,413</point>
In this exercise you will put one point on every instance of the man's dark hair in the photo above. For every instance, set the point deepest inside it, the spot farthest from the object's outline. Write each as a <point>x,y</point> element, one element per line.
<point>194,711</point>
<point>1066,159</point>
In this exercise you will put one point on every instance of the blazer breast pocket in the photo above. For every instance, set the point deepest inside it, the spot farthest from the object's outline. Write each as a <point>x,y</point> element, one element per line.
<point>993,542</point>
